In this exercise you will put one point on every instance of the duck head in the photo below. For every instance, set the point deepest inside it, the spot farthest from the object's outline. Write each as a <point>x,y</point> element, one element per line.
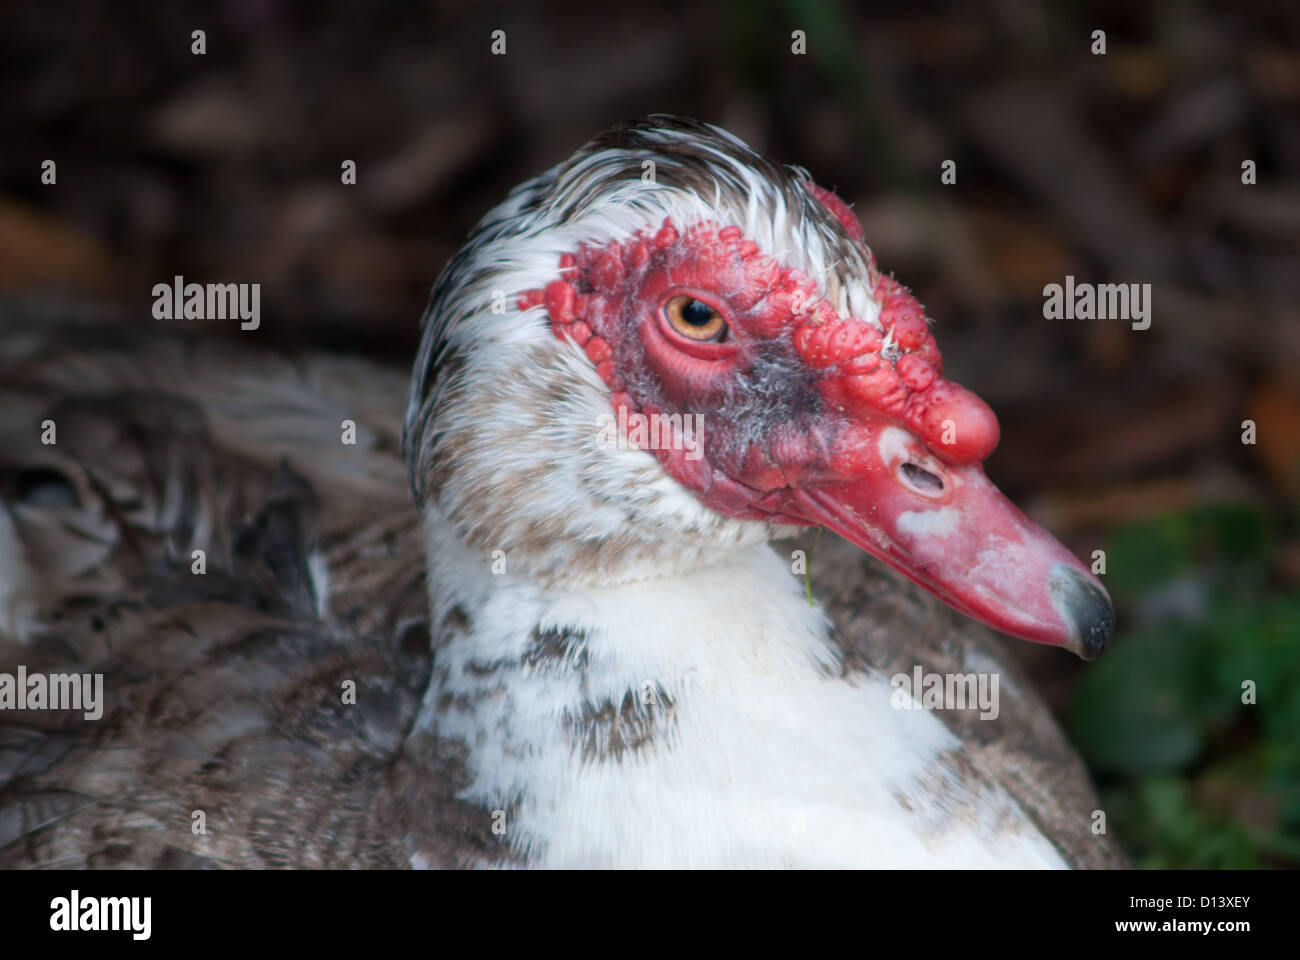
<point>729,319</point>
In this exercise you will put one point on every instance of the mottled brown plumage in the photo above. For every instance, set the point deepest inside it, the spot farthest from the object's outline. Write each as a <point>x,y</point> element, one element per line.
<point>225,691</point>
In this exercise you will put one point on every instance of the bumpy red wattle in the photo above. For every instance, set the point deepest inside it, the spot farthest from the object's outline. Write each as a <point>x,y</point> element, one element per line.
<point>957,425</point>
<point>836,341</point>
<point>605,294</point>
<point>842,212</point>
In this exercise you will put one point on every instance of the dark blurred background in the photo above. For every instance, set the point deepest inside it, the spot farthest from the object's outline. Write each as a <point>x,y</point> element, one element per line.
<point>1125,167</point>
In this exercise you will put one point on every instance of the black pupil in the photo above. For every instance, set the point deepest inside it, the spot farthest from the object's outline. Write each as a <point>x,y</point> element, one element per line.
<point>697,314</point>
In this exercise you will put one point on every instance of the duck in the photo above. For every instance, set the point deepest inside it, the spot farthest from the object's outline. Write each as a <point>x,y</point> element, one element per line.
<point>555,604</point>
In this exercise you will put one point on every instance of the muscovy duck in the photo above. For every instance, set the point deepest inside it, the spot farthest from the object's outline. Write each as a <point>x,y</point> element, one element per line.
<point>641,369</point>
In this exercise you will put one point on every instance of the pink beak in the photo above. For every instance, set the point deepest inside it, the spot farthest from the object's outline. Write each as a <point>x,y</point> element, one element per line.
<point>972,548</point>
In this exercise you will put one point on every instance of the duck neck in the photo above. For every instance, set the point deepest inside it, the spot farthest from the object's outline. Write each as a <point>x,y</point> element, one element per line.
<point>535,678</point>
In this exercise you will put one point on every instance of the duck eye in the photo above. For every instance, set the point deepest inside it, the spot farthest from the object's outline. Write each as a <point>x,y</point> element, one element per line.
<point>695,319</point>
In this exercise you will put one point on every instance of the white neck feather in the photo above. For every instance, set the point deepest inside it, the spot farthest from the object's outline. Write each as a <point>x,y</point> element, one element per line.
<point>700,719</point>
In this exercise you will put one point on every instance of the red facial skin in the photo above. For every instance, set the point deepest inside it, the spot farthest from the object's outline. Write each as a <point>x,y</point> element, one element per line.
<point>797,404</point>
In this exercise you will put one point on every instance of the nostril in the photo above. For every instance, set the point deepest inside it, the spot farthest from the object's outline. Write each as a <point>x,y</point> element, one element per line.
<point>921,480</point>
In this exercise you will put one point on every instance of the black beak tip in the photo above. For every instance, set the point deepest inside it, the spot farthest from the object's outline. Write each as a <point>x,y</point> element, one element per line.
<point>1088,608</point>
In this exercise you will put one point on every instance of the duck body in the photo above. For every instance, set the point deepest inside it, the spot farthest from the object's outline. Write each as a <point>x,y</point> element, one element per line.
<point>566,653</point>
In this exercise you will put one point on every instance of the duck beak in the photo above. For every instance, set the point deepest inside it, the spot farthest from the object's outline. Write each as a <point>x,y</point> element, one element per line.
<point>974,549</point>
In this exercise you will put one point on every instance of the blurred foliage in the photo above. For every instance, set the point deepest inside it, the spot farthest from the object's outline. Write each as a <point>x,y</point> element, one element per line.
<point>1189,774</point>
<point>840,58</point>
